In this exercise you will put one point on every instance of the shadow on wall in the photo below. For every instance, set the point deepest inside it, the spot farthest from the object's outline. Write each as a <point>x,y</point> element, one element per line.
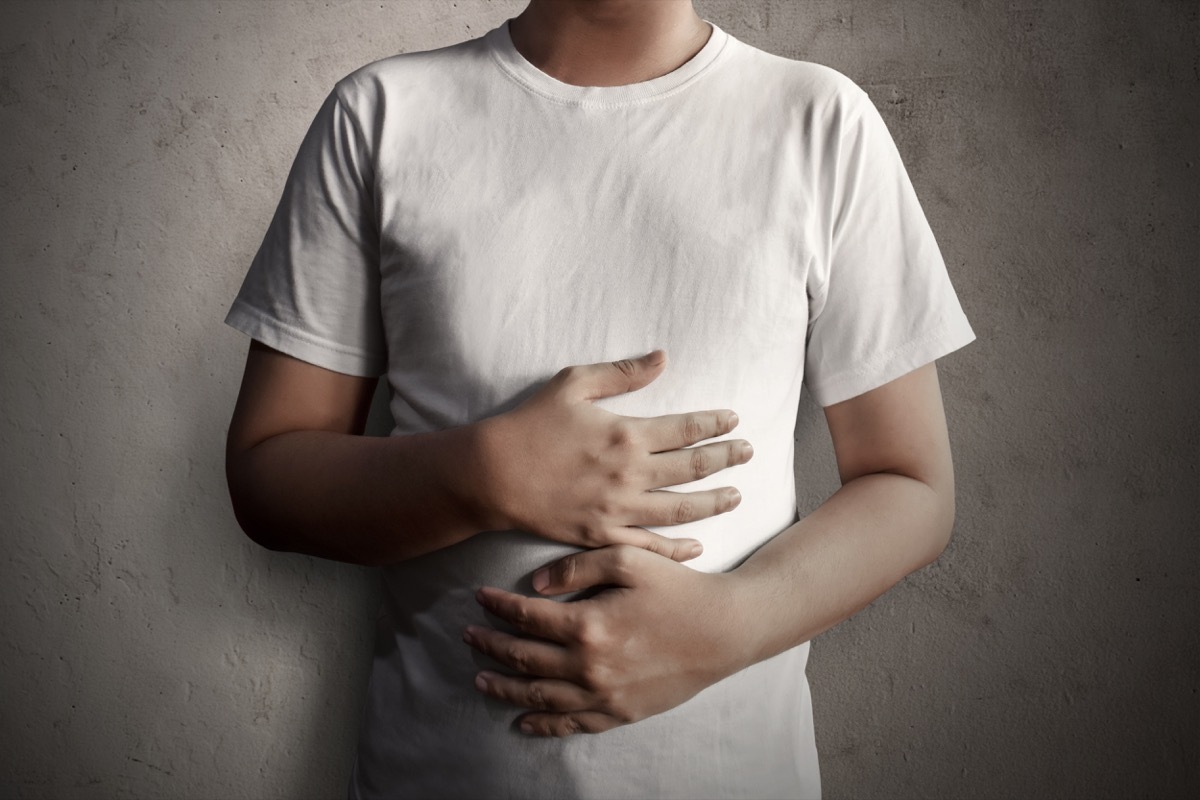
<point>330,734</point>
<point>296,633</point>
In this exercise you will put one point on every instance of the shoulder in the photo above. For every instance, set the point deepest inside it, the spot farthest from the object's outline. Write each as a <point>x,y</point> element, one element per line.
<point>409,79</point>
<point>819,91</point>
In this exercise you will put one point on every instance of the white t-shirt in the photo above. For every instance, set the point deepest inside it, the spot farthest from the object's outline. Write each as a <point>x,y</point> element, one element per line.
<point>467,225</point>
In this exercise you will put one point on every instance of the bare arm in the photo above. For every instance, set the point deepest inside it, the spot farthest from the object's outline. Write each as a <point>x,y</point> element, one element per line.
<point>892,516</point>
<point>667,631</point>
<point>303,478</point>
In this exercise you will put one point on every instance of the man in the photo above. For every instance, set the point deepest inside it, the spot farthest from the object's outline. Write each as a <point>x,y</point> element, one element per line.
<point>593,180</point>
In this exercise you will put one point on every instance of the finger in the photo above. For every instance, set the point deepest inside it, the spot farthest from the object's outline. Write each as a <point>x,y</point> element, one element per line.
<point>527,656</point>
<point>567,724</point>
<point>535,616</point>
<point>673,431</point>
<point>537,693</point>
<point>660,508</point>
<point>593,381</point>
<point>677,467</point>
<point>666,546</point>
<point>616,565</point>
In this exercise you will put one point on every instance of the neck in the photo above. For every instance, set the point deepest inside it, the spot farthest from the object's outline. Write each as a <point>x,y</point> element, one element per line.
<point>608,42</point>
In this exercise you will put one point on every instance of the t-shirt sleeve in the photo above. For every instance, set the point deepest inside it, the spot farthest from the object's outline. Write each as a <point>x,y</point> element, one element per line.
<point>880,302</point>
<point>312,290</point>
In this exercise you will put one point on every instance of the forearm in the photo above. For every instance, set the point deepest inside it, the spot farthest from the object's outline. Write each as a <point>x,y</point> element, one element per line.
<point>556,466</point>
<point>662,632</point>
<point>359,499</point>
<point>859,543</point>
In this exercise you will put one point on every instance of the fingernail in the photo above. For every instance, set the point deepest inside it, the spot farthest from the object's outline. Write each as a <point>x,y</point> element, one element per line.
<point>526,727</point>
<point>468,637</point>
<point>481,682</point>
<point>732,422</point>
<point>696,549</point>
<point>747,451</point>
<point>735,497</point>
<point>541,579</point>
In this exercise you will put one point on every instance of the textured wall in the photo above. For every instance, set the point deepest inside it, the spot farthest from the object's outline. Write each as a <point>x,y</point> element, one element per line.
<point>150,650</point>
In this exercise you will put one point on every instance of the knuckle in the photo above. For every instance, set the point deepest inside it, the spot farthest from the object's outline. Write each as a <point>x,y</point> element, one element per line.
<point>625,556</point>
<point>568,374</point>
<point>683,511</point>
<point>566,570</point>
<point>520,615</point>
<point>594,679</point>
<point>623,436</point>
<point>516,658</point>
<point>693,428</point>
<point>653,544</point>
<point>569,727</point>
<point>537,696</point>
<point>701,462</point>
<point>589,634</point>
<point>625,366</point>
<point>590,534</point>
<point>624,478</point>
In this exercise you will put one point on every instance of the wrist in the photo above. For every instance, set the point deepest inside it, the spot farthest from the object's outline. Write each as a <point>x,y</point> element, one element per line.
<point>483,490</point>
<point>743,618</point>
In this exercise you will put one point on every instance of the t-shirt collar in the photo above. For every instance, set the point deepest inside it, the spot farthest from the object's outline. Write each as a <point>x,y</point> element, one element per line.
<point>499,42</point>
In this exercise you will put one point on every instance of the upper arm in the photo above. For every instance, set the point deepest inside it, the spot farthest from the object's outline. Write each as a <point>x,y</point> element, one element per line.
<point>899,427</point>
<point>281,394</point>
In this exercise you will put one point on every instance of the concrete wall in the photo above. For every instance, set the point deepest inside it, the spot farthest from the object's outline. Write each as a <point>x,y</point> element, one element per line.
<point>150,650</point>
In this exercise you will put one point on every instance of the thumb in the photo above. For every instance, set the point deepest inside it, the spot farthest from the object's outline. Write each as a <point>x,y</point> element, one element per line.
<point>614,565</point>
<point>619,377</point>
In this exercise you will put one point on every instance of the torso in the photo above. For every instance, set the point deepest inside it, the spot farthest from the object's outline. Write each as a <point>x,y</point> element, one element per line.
<point>523,231</point>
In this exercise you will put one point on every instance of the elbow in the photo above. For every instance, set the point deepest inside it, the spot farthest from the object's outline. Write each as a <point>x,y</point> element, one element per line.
<point>941,526</point>
<point>260,534</point>
<point>250,524</point>
<point>243,498</point>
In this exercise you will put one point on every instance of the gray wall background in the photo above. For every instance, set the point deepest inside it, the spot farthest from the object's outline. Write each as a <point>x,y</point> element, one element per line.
<point>150,650</point>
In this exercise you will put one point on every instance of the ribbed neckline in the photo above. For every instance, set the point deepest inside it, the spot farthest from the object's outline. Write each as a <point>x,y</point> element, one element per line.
<point>499,42</point>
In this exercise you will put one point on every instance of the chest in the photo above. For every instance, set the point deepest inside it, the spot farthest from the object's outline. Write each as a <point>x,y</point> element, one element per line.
<point>513,250</point>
